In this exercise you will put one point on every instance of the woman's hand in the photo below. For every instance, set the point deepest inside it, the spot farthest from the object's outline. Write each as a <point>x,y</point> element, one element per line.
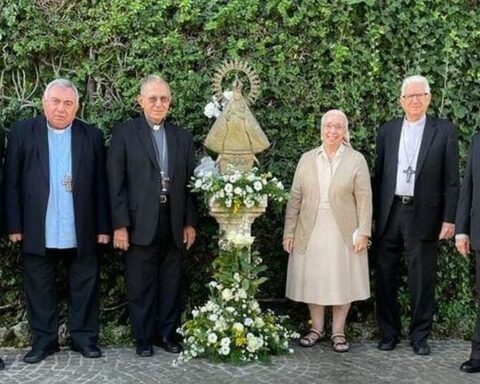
<point>288,245</point>
<point>361,243</point>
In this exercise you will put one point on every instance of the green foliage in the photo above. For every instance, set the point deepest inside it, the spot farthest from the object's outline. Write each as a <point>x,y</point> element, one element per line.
<point>311,55</point>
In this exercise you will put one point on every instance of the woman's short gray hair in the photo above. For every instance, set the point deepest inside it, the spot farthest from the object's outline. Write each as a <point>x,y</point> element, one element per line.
<point>415,79</point>
<point>62,83</point>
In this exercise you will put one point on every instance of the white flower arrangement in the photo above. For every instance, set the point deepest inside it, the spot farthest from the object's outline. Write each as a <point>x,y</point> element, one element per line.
<point>214,108</point>
<point>231,326</point>
<point>236,189</point>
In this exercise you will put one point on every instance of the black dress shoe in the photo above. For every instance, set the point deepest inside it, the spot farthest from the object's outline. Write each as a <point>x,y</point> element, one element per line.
<point>2,364</point>
<point>170,346</point>
<point>88,351</point>
<point>35,355</point>
<point>420,347</point>
<point>471,366</point>
<point>144,348</point>
<point>388,343</point>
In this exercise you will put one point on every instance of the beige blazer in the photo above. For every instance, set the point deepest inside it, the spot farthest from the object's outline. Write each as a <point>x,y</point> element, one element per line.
<point>350,197</point>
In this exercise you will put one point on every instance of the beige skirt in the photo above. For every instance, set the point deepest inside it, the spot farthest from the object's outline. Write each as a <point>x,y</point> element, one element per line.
<point>328,273</point>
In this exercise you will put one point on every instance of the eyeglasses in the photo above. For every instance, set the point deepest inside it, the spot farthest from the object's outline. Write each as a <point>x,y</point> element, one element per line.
<point>418,96</point>
<point>155,99</point>
<point>337,127</point>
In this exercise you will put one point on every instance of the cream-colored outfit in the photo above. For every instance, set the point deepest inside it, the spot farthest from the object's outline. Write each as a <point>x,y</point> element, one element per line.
<point>329,200</point>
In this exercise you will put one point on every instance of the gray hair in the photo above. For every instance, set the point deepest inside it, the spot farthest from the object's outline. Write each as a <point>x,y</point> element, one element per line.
<point>153,79</point>
<point>344,116</point>
<point>415,79</point>
<point>62,83</point>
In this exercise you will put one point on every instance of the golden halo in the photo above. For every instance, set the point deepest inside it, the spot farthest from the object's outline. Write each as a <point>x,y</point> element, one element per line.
<point>238,66</point>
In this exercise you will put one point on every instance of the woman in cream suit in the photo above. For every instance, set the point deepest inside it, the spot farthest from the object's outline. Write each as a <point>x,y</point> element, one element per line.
<point>327,226</point>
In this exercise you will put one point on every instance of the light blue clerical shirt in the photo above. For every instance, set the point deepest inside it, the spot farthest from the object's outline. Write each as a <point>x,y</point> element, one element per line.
<point>60,220</point>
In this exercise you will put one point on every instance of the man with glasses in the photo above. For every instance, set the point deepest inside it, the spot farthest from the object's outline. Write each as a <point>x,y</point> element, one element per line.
<point>150,162</point>
<point>415,197</point>
<point>56,205</point>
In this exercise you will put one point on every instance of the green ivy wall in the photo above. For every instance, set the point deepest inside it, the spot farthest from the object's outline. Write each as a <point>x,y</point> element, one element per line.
<point>311,55</point>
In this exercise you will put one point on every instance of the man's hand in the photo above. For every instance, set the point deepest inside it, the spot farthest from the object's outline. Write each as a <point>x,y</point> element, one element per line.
<point>463,245</point>
<point>120,238</point>
<point>15,237</point>
<point>288,245</point>
<point>447,232</point>
<point>360,244</point>
<point>103,239</point>
<point>188,236</point>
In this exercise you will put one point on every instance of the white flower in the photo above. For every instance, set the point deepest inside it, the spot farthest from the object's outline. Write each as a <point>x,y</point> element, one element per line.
<point>211,110</point>
<point>221,194</point>
<point>195,313</point>
<point>280,185</point>
<point>257,185</point>
<point>225,342</point>
<point>249,189</point>
<point>248,321</point>
<point>242,294</point>
<point>253,343</point>
<point>212,338</point>
<point>228,203</point>
<point>236,277</point>
<point>238,327</point>
<point>237,191</point>
<point>230,309</point>
<point>213,317</point>
<point>259,323</point>
<point>228,188</point>
<point>224,350</point>
<point>233,178</point>
<point>249,203</point>
<point>254,306</point>
<point>227,294</point>
<point>198,183</point>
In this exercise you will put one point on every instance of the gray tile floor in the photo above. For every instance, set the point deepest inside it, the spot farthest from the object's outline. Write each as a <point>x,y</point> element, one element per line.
<point>363,364</point>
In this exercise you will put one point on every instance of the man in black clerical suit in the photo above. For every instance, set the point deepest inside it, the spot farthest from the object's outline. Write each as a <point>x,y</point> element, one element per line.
<point>467,226</point>
<point>415,198</point>
<point>56,204</point>
<point>150,162</point>
<point>2,146</point>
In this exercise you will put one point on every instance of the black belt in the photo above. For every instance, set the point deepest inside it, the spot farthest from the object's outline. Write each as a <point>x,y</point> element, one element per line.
<point>405,200</point>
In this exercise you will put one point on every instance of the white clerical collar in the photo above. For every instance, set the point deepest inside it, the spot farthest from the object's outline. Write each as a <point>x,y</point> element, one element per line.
<point>59,131</point>
<point>418,123</point>
<point>154,126</point>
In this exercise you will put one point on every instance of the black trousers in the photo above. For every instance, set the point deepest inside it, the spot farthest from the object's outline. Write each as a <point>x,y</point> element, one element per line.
<point>476,333</point>
<point>153,275</point>
<point>400,240</point>
<point>41,295</point>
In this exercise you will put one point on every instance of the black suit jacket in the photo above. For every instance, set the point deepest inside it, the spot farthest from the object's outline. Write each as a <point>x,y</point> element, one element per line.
<point>436,177</point>
<point>468,210</point>
<point>135,183</point>
<point>26,184</point>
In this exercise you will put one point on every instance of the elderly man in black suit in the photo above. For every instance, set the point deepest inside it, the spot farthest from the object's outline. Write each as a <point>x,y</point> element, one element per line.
<point>150,162</point>
<point>415,198</point>
<point>56,204</point>
<point>468,235</point>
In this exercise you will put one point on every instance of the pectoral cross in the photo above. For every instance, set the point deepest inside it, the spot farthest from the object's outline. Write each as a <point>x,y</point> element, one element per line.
<point>409,172</point>
<point>67,183</point>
